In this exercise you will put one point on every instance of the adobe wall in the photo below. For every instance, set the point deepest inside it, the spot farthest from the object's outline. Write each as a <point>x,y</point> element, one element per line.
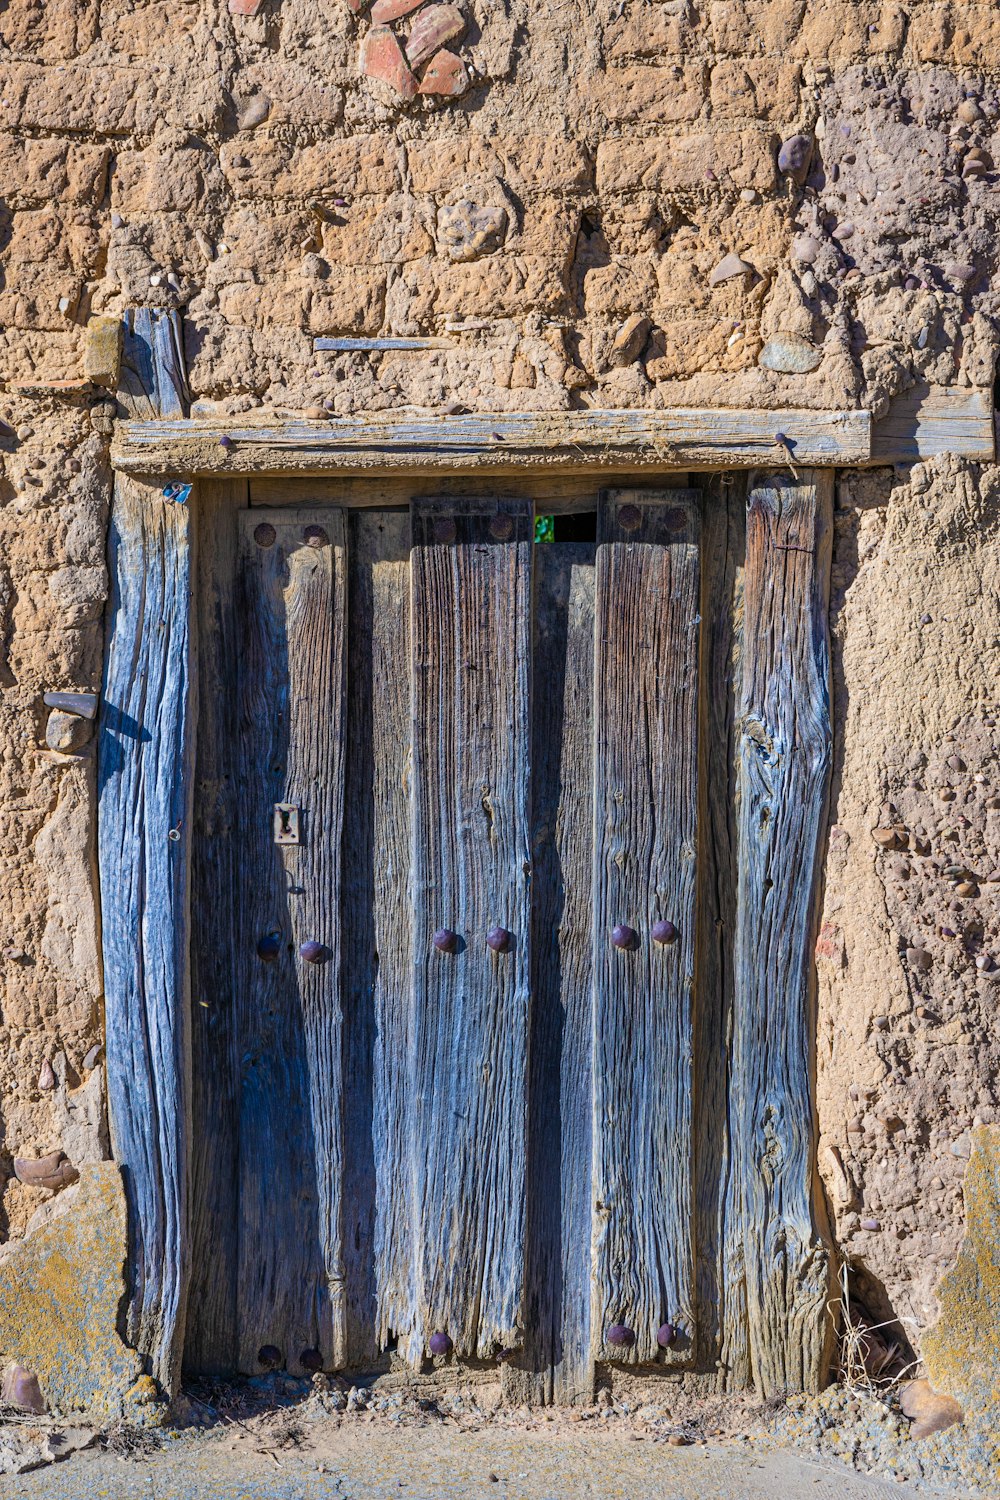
<point>604,160</point>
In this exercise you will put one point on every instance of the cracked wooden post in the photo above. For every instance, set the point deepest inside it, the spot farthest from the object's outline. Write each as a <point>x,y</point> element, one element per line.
<point>784,751</point>
<point>145,781</point>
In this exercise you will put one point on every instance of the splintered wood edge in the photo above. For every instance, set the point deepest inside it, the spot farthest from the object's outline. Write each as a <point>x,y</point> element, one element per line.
<point>654,442</point>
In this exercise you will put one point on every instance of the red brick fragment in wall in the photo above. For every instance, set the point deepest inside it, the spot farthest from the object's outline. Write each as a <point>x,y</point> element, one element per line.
<point>446,74</point>
<point>433,27</point>
<point>382,58</point>
<point>384,11</point>
<point>244,7</point>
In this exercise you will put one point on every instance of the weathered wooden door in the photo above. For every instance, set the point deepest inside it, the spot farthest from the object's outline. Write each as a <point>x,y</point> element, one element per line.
<point>445,907</point>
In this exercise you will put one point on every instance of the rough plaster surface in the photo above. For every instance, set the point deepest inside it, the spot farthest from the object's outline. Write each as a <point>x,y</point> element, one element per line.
<point>606,158</point>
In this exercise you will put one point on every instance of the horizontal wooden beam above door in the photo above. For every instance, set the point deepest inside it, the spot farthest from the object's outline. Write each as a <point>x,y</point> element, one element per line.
<point>648,441</point>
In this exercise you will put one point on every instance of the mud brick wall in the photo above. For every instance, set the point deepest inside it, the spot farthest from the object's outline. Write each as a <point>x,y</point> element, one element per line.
<point>616,203</point>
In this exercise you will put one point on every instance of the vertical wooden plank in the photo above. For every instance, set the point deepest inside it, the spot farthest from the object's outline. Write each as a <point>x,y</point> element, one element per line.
<point>721,1317</point>
<point>216,885</point>
<point>377,1207</point>
<point>784,747</point>
<point>471,644</point>
<point>153,383</point>
<point>145,759</point>
<point>645,842</point>
<point>292,580</point>
<point>561,1102</point>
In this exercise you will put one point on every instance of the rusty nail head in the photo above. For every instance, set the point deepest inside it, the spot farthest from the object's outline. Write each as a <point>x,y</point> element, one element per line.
<point>311,1359</point>
<point>501,526</point>
<point>675,519</point>
<point>440,1343</point>
<point>664,932</point>
<point>313,952</point>
<point>498,938</point>
<point>269,1355</point>
<point>269,946</point>
<point>315,536</point>
<point>445,529</point>
<point>665,1335</point>
<point>264,534</point>
<point>623,936</point>
<point>444,940</point>
<point>629,517</point>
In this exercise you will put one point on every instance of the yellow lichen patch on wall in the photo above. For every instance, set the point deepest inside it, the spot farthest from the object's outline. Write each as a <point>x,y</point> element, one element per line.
<point>60,1290</point>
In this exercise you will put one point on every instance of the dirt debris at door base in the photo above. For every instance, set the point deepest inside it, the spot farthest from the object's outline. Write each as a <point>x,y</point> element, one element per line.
<point>290,1421</point>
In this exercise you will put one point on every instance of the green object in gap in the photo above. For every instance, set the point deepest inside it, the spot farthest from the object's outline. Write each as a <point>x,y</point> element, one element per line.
<point>545,528</point>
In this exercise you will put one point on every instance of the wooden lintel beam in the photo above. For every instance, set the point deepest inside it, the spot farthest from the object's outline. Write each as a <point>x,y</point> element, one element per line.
<point>653,441</point>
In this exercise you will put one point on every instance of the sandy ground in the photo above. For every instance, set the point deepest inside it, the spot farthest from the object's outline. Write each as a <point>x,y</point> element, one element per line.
<point>435,1464</point>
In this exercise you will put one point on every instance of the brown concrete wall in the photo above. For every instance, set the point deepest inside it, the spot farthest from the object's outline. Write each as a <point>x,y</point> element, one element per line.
<point>604,159</point>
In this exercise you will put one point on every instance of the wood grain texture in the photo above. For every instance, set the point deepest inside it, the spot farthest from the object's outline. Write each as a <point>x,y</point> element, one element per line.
<point>645,843</point>
<point>471,645</point>
<point>927,421</point>
<point>377,1207</point>
<point>784,752</point>
<point>145,766</point>
<point>216,886</point>
<point>291,666</point>
<point>561,1089</point>
<point>656,441</point>
<point>721,1313</point>
<point>153,382</point>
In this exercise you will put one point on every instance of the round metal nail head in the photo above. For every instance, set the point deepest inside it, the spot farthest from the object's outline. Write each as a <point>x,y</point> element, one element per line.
<point>620,1336</point>
<point>665,1335</point>
<point>444,940</point>
<point>440,1343</point>
<point>445,529</point>
<point>313,952</point>
<point>623,936</point>
<point>269,1355</point>
<point>269,946</point>
<point>629,517</point>
<point>315,536</point>
<point>664,932</point>
<point>498,938</point>
<point>264,534</point>
<point>501,527</point>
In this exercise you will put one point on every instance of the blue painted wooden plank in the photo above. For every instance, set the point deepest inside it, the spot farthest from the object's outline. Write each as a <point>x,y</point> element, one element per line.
<point>645,843</point>
<point>144,761</point>
<point>153,381</point>
<point>471,652</point>
<point>784,748</point>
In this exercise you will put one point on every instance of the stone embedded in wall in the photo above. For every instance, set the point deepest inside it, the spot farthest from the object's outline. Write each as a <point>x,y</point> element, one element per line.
<point>962,1349</point>
<point>102,352</point>
<point>630,340</point>
<point>60,1290</point>
<point>790,354</point>
<point>67,733</point>
<point>467,231</point>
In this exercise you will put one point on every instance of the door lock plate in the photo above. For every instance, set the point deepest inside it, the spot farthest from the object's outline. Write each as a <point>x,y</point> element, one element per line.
<point>287,823</point>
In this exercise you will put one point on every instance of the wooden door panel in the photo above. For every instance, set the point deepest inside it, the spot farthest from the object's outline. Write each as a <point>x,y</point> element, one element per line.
<point>562,1024</point>
<point>645,839</point>
<point>378,951</point>
<point>292,600</point>
<point>471,645</point>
